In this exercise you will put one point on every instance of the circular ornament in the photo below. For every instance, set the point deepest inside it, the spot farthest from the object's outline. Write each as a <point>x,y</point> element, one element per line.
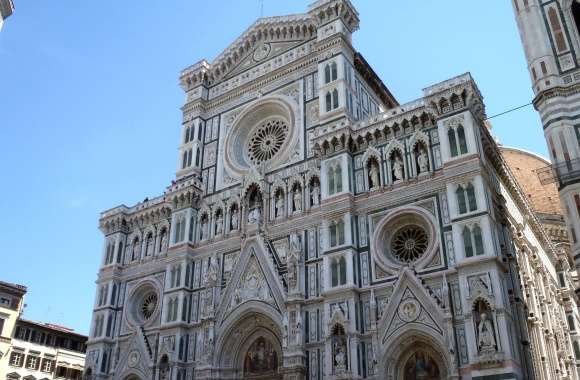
<point>262,52</point>
<point>148,305</point>
<point>133,359</point>
<point>267,140</point>
<point>409,310</point>
<point>409,243</point>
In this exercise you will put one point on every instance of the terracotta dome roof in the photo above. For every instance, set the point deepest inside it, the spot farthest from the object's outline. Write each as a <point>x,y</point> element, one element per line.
<point>544,198</point>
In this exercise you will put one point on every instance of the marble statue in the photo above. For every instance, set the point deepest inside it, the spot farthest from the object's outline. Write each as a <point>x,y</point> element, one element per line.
<point>234,219</point>
<point>397,168</point>
<point>423,161</point>
<point>279,205</point>
<point>486,339</point>
<point>315,194</point>
<point>219,224</point>
<point>298,200</point>
<point>374,175</point>
<point>204,229</point>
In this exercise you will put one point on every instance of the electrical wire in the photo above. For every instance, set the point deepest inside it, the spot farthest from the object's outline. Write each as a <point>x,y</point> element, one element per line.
<point>510,110</point>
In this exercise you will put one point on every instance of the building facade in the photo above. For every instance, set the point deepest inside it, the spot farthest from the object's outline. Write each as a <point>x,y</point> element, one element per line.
<point>318,229</point>
<point>550,33</point>
<point>11,305</point>
<point>43,351</point>
<point>6,10</point>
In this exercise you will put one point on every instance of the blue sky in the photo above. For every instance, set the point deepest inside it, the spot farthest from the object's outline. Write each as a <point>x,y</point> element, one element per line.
<point>90,119</point>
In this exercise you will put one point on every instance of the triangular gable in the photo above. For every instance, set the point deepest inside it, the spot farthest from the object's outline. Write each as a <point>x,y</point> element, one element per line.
<point>410,306</point>
<point>136,357</point>
<point>298,27</point>
<point>253,279</point>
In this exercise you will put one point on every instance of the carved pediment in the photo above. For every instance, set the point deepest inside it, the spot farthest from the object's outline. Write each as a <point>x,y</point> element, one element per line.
<point>253,279</point>
<point>410,306</point>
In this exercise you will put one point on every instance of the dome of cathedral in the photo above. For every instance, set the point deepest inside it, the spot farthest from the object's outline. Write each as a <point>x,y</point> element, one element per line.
<point>523,164</point>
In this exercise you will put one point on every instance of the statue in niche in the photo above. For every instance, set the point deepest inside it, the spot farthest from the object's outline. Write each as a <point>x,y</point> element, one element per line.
<point>254,215</point>
<point>397,168</point>
<point>297,199</point>
<point>374,175</point>
<point>422,160</point>
<point>234,219</point>
<point>136,247</point>
<point>204,229</point>
<point>261,358</point>
<point>295,243</point>
<point>219,224</point>
<point>163,241</point>
<point>279,205</point>
<point>339,358</point>
<point>315,194</point>
<point>212,273</point>
<point>486,338</point>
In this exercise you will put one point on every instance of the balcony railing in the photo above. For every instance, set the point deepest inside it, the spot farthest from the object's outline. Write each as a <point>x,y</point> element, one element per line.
<point>563,172</point>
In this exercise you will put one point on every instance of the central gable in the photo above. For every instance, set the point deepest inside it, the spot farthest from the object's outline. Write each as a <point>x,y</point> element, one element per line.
<point>267,37</point>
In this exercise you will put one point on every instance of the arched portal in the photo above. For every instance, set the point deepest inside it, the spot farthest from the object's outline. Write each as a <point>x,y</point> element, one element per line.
<point>250,344</point>
<point>420,364</point>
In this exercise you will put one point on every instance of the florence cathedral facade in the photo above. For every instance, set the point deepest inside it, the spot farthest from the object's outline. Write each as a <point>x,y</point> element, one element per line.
<point>318,229</point>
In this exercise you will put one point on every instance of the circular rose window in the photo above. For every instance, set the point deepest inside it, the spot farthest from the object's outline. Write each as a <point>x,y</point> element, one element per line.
<point>148,305</point>
<point>409,243</point>
<point>266,140</point>
<point>406,236</point>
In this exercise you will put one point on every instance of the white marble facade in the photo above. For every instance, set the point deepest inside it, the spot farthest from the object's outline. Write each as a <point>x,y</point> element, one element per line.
<point>317,229</point>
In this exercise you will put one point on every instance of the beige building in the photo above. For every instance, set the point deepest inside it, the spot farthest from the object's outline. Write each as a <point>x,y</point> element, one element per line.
<point>11,305</point>
<point>43,351</point>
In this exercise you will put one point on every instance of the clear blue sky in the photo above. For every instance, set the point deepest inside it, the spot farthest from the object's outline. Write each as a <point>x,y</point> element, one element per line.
<point>89,110</point>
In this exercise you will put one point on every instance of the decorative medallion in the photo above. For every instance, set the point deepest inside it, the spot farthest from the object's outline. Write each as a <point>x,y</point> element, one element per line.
<point>133,359</point>
<point>266,140</point>
<point>262,52</point>
<point>409,310</point>
<point>409,243</point>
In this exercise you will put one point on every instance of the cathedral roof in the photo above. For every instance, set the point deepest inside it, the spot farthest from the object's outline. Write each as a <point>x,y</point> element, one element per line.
<point>523,164</point>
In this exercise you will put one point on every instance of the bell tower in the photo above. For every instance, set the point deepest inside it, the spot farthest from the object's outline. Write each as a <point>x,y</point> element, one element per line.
<point>550,33</point>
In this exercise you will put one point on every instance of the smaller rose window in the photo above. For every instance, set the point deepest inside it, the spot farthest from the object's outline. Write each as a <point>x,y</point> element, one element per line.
<point>409,243</point>
<point>148,305</point>
<point>267,140</point>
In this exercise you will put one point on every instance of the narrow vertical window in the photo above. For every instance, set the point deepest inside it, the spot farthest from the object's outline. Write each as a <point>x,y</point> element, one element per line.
<point>327,74</point>
<point>470,190</point>
<point>477,239</point>
<point>452,142</point>
<point>543,67</point>
<point>189,157</point>
<point>197,156</point>
<point>334,272</point>
<point>467,245</point>
<point>333,70</point>
<point>460,193</point>
<point>461,138</point>
<point>557,31</point>
<point>328,99</point>
<point>184,161</point>
<point>577,202</point>
<point>340,230</point>
<point>342,265</point>
<point>333,233</point>
<point>338,179</point>
<point>334,98</point>
<point>331,182</point>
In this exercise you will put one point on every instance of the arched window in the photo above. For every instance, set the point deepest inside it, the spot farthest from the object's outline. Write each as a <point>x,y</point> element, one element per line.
<point>190,152</point>
<point>467,244</point>
<point>460,193</point>
<point>334,98</point>
<point>120,253</point>
<point>478,240</point>
<point>184,160</point>
<point>331,183</point>
<point>333,233</point>
<point>334,272</point>
<point>333,71</point>
<point>114,295</point>
<point>328,99</point>
<point>109,326</point>
<point>340,232</point>
<point>557,31</point>
<point>342,271</point>
<point>327,74</point>
<point>571,324</point>
<point>192,133</point>
<point>473,241</point>
<point>186,136</point>
<point>135,249</point>
<point>338,178</point>
<point>452,142</point>
<point>470,190</point>
<point>461,138</point>
<point>197,156</point>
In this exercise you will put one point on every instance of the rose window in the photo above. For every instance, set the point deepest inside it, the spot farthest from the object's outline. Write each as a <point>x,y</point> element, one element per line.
<point>148,305</point>
<point>409,243</point>
<point>267,140</point>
